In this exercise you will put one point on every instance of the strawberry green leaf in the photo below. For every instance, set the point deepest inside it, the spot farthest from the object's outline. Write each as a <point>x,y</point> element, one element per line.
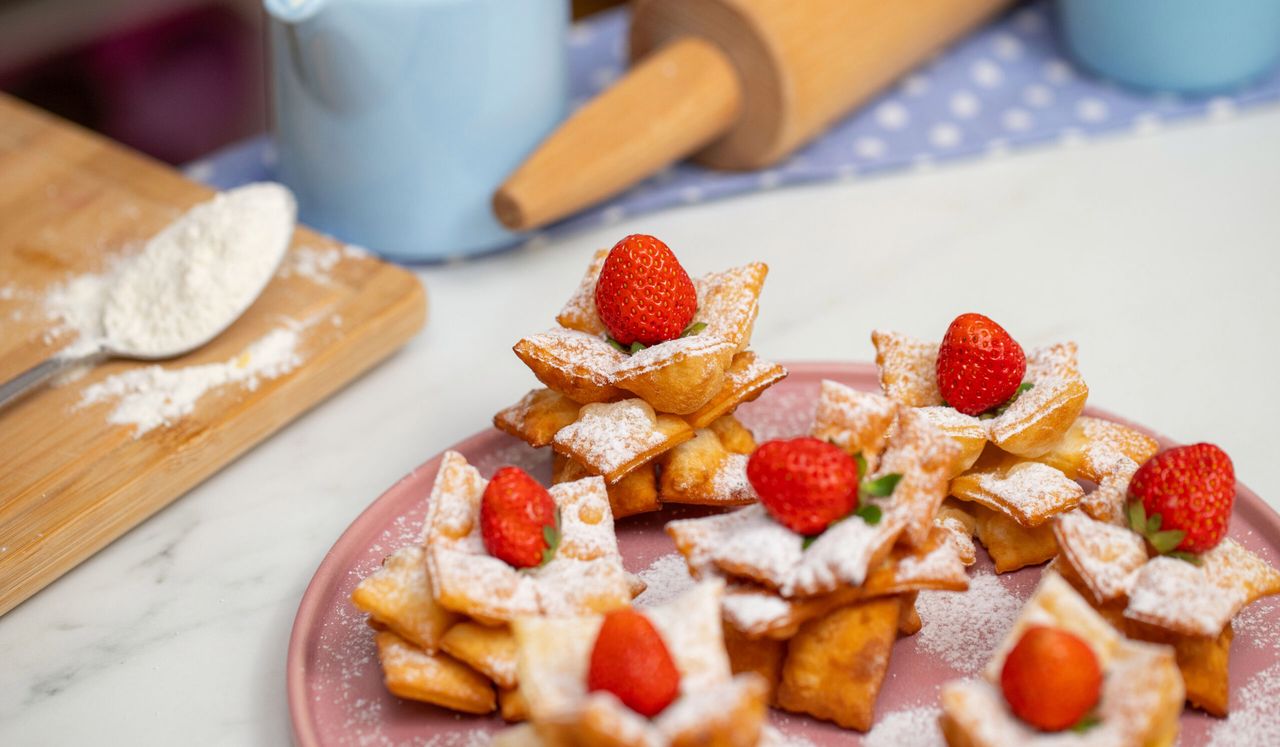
<point>1137,517</point>
<point>881,486</point>
<point>810,539</point>
<point>1165,542</point>
<point>869,512</point>
<point>999,410</point>
<point>693,329</point>
<point>551,535</point>
<point>862,464</point>
<point>1153,523</point>
<point>1188,557</point>
<point>631,349</point>
<point>1086,722</point>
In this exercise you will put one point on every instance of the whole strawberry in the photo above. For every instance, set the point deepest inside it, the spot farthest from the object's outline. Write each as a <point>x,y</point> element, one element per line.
<point>979,365</point>
<point>1051,678</point>
<point>804,483</point>
<point>630,660</point>
<point>1191,488</point>
<point>643,294</point>
<point>518,519</point>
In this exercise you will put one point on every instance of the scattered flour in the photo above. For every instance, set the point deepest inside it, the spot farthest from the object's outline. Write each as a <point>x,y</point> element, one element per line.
<point>965,627</point>
<point>914,727</point>
<point>1254,719</point>
<point>154,396</point>
<point>666,578</point>
<point>313,263</point>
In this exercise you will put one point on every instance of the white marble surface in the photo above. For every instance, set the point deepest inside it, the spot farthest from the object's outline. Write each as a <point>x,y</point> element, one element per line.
<point>1159,254</point>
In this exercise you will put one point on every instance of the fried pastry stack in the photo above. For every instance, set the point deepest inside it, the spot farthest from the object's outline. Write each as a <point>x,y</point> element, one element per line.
<point>1022,462</point>
<point>817,617</point>
<point>655,423</point>
<point>443,607</point>
<point>1164,599</point>
<point>1141,696</point>
<point>713,707</point>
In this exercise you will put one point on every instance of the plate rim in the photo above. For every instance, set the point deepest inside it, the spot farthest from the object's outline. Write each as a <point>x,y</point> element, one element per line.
<point>303,728</point>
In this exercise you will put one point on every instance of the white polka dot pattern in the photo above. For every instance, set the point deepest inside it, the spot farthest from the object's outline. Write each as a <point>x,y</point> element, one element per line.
<point>1008,85</point>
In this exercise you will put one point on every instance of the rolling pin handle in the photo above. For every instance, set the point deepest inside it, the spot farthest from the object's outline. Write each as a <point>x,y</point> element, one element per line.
<point>691,94</point>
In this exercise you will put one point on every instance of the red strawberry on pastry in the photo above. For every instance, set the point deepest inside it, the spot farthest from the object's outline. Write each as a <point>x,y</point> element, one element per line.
<point>804,483</point>
<point>1051,679</point>
<point>1191,489</point>
<point>979,365</point>
<point>631,661</point>
<point>518,520</point>
<point>643,295</point>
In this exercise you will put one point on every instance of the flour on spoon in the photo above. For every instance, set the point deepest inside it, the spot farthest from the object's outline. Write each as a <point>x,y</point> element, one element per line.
<point>199,273</point>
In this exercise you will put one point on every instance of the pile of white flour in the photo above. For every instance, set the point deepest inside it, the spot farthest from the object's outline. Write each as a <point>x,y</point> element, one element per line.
<point>200,272</point>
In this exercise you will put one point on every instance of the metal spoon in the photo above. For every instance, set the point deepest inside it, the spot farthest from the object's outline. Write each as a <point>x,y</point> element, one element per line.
<point>116,342</point>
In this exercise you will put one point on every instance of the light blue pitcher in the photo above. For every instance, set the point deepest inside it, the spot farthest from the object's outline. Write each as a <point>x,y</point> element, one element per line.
<point>396,119</point>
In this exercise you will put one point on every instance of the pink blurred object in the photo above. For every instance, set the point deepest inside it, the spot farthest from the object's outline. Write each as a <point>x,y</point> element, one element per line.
<point>176,87</point>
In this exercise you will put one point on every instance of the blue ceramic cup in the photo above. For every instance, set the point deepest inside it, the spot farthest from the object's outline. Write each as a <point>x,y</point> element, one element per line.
<point>1190,46</point>
<point>396,119</point>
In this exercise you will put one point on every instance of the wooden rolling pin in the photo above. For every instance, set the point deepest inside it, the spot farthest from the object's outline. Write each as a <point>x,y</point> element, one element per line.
<point>738,83</point>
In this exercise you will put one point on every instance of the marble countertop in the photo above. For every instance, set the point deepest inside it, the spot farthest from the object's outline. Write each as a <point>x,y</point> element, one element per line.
<point>1159,254</point>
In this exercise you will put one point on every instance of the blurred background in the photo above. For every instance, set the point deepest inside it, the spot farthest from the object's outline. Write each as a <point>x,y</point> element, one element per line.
<point>176,79</point>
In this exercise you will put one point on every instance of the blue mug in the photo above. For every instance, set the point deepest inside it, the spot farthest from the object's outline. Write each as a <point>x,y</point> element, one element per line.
<point>395,120</point>
<point>1189,46</point>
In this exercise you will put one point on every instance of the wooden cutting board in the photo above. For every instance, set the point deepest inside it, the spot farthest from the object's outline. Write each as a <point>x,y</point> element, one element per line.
<point>71,482</point>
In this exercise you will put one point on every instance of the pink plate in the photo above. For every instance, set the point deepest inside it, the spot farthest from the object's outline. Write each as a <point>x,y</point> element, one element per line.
<point>335,687</point>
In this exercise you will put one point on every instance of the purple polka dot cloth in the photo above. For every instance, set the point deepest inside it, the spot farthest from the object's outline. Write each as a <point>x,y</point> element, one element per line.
<point>1006,86</point>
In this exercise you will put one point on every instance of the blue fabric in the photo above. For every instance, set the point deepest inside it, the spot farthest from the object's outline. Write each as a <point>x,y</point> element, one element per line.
<point>1006,86</point>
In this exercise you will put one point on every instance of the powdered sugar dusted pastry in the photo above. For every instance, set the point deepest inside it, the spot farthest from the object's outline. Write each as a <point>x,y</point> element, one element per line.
<point>1167,592</point>
<point>679,376</point>
<point>612,439</point>
<point>709,470</point>
<point>1139,702</point>
<point>584,575</point>
<point>711,705</point>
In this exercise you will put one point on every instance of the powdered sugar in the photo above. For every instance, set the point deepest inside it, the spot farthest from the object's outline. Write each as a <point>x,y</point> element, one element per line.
<point>665,579</point>
<point>608,436</point>
<point>913,727</point>
<point>1255,719</point>
<point>1258,625</point>
<point>730,481</point>
<point>963,628</point>
<point>665,354</point>
<point>1200,600</point>
<point>754,610</point>
<point>908,368</point>
<point>1104,555</point>
<point>155,396</point>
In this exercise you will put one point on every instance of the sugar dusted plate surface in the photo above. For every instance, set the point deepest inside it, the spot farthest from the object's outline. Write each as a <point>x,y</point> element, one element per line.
<point>335,691</point>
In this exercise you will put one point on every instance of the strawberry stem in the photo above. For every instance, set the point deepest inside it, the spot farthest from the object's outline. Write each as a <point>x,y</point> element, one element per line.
<point>868,511</point>
<point>1164,542</point>
<point>551,535</point>
<point>1086,722</point>
<point>693,329</point>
